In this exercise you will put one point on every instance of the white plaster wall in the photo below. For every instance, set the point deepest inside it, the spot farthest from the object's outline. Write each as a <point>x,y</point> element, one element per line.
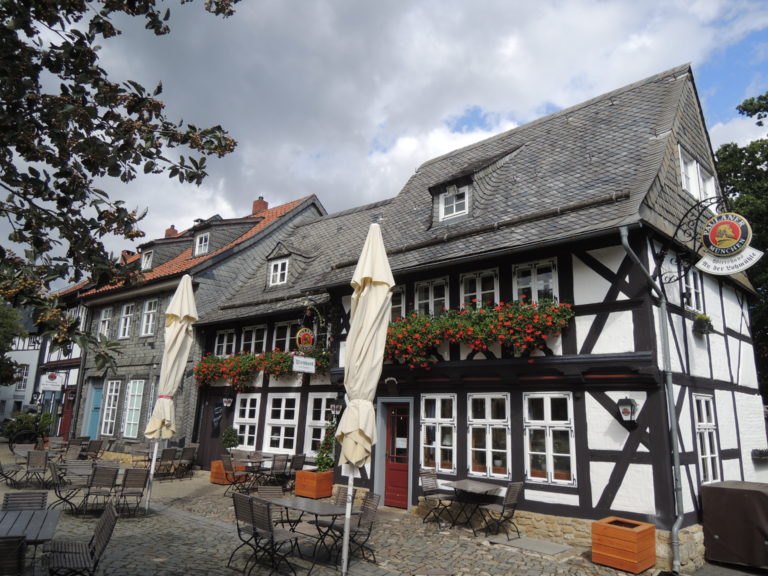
<point>617,335</point>
<point>604,432</point>
<point>726,420</point>
<point>732,470</point>
<point>685,473</point>
<point>590,287</point>
<point>676,340</point>
<point>747,371</point>
<point>736,315</point>
<point>636,493</point>
<point>685,423</point>
<point>551,497</point>
<point>751,433</point>
<point>720,358</point>
<point>600,473</point>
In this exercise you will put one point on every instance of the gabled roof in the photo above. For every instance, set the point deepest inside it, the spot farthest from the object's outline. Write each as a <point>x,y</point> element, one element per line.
<point>185,262</point>
<point>581,172</point>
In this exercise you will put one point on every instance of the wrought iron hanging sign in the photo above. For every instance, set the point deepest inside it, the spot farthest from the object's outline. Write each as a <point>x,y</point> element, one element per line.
<point>725,239</point>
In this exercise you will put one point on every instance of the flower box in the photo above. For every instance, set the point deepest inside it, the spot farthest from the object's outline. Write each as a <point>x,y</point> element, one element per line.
<point>624,544</point>
<point>314,484</point>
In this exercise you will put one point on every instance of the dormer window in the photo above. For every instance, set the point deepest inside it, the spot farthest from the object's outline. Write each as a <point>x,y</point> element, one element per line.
<point>278,272</point>
<point>201,243</point>
<point>695,179</point>
<point>146,260</point>
<point>454,202</point>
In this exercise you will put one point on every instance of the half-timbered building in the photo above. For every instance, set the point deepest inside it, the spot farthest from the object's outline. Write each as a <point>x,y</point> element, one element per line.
<point>579,207</point>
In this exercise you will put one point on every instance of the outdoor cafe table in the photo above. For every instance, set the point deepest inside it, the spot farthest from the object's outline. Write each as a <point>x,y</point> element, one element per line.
<point>318,509</point>
<point>37,526</point>
<point>470,494</point>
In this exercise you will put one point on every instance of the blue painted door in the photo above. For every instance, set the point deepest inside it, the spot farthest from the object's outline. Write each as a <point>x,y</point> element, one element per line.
<point>95,416</point>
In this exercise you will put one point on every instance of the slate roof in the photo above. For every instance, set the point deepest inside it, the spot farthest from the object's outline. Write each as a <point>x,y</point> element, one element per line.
<point>583,171</point>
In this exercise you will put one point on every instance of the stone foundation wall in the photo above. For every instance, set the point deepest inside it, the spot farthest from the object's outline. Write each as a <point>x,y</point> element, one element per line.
<point>577,532</point>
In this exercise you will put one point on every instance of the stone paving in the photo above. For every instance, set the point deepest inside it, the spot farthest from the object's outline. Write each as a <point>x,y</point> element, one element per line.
<point>190,530</point>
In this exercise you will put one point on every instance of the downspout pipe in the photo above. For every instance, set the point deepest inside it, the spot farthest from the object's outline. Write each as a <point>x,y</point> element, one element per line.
<point>672,413</point>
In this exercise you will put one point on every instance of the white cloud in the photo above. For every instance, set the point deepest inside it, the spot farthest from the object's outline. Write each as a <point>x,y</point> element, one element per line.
<point>740,130</point>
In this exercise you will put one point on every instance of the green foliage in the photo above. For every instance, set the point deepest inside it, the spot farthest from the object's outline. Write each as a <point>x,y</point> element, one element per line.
<point>10,328</point>
<point>743,175</point>
<point>66,126</point>
<point>324,459</point>
<point>229,438</point>
<point>40,423</point>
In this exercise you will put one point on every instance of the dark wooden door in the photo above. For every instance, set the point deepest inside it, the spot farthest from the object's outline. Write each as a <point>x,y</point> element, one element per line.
<point>215,418</point>
<point>398,449</point>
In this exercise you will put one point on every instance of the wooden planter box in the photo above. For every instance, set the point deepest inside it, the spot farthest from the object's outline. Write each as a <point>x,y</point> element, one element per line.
<point>314,484</point>
<point>217,472</point>
<point>624,544</point>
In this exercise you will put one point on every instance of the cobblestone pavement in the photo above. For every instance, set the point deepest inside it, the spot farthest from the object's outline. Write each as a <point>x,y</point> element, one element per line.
<point>190,530</point>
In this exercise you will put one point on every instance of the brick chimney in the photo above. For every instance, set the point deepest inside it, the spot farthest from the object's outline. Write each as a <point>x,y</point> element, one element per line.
<point>171,232</point>
<point>259,206</point>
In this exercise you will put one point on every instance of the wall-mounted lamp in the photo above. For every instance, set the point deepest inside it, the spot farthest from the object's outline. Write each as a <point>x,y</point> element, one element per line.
<point>336,406</point>
<point>71,396</point>
<point>627,409</point>
<point>228,398</point>
<point>391,384</point>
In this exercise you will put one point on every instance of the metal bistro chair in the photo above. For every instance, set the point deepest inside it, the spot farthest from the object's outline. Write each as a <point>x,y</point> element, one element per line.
<point>94,449</point>
<point>237,479</point>
<point>65,489</point>
<point>272,540</point>
<point>166,463</point>
<point>183,467</point>
<point>25,500</point>
<point>13,551</point>
<point>360,533</point>
<point>132,490</point>
<point>77,557</point>
<point>270,493</point>
<point>296,463</point>
<point>37,467</point>
<point>245,530</point>
<point>8,474</point>
<point>100,487</point>
<point>499,515</point>
<point>277,472</point>
<point>436,501</point>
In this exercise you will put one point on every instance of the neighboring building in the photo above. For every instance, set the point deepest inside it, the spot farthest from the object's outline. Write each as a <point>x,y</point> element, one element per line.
<point>216,252</point>
<point>26,351</point>
<point>539,211</point>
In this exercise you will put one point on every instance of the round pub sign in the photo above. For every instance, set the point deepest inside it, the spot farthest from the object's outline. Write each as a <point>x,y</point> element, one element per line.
<point>726,234</point>
<point>305,340</point>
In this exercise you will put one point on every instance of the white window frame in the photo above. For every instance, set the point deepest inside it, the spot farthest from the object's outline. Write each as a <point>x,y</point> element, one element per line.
<point>398,303</point>
<point>284,335</point>
<point>202,243</point>
<point>105,321</point>
<point>146,260</point>
<point>535,286</point>
<point>109,407</point>
<point>21,376</point>
<point>478,296</point>
<point>693,293</point>
<point>278,272</point>
<point>424,299</point>
<point>246,420</point>
<point>124,326</point>
<point>148,316</point>
<point>489,427</point>
<point>695,180</point>
<point>549,426</point>
<point>225,343</point>
<point>318,415</point>
<point>706,438</point>
<point>254,339</point>
<point>134,393</point>
<point>277,439</point>
<point>454,202</point>
<point>443,427</point>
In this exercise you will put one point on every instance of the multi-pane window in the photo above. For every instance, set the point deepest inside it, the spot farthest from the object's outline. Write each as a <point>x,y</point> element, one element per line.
<point>431,297</point>
<point>148,316</point>
<point>398,303</point>
<point>489,449</point>
<point>706,438</point>
<point>246,420</point>
<point>105,321</point>
<point>146,260</point>
<point>225,343</point>
<point>282,423</point>
<point>278,272</point>
<point>124,327</point>
<point>692,298</point>
<point>535,281</point>
<point>109,407</point>
<point>438,432</point>
<point>22,373</point>
<point>254,339</point>
<point>202,242</point>
<point>454,202</point>
<point>695,179</point>
<point>318,415</point>
<point>284,337</point>
<point>133,395</point>
<point>549,446</point>
<point>479,288</point>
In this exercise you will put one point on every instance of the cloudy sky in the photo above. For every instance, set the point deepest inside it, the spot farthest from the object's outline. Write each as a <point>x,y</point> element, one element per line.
<point>346,99</point>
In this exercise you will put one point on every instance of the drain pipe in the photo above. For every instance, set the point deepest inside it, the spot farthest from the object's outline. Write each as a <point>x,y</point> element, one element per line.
<point>667,368</point>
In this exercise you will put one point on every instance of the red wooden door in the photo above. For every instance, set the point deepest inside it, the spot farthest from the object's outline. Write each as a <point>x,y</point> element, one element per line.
<point>396,472</point>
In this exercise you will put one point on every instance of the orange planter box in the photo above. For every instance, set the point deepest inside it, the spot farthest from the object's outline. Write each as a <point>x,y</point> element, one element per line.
<point>624,544</point>
<point>217,472</point>
<point>314,484</point>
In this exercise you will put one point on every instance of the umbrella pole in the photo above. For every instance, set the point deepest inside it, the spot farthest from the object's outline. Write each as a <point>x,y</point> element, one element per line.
<point>347,516</point>
<point>151,474</point>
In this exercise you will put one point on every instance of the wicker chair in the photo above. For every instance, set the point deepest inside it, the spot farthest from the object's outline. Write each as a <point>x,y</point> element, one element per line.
<point>66,557</point>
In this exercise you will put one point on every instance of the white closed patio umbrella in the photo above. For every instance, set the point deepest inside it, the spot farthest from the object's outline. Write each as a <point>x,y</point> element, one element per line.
<point>179,317</point>
<point>370,314</point>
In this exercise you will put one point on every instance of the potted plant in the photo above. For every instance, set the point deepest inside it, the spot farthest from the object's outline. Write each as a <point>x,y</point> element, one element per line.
<point>702,324</point>
<point>318,483</point>
<point>229,439</point>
